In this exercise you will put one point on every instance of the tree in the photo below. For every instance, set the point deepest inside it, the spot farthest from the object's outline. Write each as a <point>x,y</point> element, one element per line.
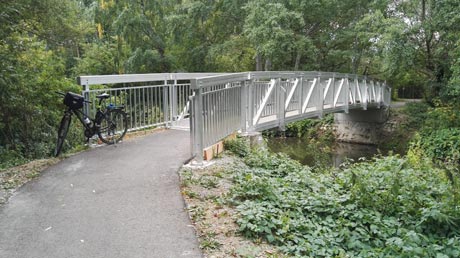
<point>423,44</point>
<point>34,48</point>
<point>270,27</point>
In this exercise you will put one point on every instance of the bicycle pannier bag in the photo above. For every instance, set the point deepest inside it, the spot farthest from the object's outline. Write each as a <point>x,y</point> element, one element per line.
<point>73,100</point>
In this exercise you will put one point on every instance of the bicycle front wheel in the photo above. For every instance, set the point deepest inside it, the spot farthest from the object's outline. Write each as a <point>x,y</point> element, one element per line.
<point>113,126</point>
<point>62,133</point>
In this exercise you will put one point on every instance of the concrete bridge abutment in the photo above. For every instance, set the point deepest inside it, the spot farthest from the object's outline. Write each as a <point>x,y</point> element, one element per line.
<point>361,126</point>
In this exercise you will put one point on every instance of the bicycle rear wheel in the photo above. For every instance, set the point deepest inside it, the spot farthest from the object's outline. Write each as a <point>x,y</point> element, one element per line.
<point>113,126</point>
<point>62,133</point>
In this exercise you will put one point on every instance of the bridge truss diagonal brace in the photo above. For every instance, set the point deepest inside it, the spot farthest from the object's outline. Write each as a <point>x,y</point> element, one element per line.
<point>329,82</point>
<point>373,91</point>
<point>348,96</point>
<point>366,95</point>
<point>291,93</point>
<point>352,93</point>
<point>310,92</point>
<point>270,91</point>
<point>281,114</point>
<point>360,96</point>
<point>339,90</point>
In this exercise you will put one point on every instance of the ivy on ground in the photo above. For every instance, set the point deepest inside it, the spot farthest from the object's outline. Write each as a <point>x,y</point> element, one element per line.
<point>387,207</point>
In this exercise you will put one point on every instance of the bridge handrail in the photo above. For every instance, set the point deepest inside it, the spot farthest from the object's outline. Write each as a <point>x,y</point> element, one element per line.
<point>221,103</point>
<point>131,78</point>
<point>205,81</point>
<point>262,100</point>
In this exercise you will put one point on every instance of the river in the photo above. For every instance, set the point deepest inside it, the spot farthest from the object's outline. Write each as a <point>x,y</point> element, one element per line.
<point>313,155</point>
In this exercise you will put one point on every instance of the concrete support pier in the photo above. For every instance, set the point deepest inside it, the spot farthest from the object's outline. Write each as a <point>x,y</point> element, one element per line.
<point>255,139</point>
<point>360,126</point>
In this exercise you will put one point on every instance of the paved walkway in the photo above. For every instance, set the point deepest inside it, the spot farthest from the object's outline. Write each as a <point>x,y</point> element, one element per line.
<point>402,102</point>
<point>113,201</point>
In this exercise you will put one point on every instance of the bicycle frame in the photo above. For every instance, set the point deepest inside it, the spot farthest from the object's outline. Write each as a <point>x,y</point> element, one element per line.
<point>90,128</point>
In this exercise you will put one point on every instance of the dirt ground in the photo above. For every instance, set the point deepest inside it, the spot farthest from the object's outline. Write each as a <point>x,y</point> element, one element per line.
<point>12,178</point>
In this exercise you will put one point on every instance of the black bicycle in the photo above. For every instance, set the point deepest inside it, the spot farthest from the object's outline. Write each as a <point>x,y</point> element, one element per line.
<point>109,124</point>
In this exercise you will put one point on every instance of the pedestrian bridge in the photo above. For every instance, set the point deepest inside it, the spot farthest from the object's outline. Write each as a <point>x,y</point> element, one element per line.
<point>215,105</point>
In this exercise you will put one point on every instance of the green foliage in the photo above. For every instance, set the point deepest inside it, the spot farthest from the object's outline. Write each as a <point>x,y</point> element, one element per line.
<point>416,114</point>
<point>438,139</point>
<point>301,128</point>
<point>36,48</point>
<point>29,108</point>
<point>98,58</point>
<point>453,89</point>
<point>233,55</point>
<point>270,27</point>
<point>311,127</point>
<point>441,145</point>
<point>238,146</point>
<point>383,208</point>
<point>433,125</point>
<point>209,242</point>
<point>442,117</point>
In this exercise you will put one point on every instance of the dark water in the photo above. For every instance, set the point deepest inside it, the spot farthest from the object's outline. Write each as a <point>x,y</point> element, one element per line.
<point>314,155</point>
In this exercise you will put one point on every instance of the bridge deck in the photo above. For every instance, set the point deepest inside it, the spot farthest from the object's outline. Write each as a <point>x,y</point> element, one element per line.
<point>113,201</point>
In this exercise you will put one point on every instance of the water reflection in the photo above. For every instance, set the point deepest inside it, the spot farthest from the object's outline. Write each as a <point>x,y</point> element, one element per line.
<point>320,154</point>
<point>343,151</point>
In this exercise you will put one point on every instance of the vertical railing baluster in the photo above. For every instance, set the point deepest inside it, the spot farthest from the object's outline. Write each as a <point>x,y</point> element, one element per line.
<point>366,93</point>
<point>321,97</point>
<point>166,105</point>
<point>347,94</point>
<point>198,121</point>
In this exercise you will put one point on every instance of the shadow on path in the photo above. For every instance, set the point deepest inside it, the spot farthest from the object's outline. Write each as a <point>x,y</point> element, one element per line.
<point>113,201</point>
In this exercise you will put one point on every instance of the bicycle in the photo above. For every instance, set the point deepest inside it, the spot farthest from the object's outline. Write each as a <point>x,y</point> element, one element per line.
<point>109,124</point>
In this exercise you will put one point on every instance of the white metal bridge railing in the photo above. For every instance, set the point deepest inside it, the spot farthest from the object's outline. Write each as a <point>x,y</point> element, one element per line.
<point>220,104</point>
<point>256,101</point>
<point>149,99</point>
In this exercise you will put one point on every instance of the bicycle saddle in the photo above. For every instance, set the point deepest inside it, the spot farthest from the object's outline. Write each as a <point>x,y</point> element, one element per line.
<point>103,96</point>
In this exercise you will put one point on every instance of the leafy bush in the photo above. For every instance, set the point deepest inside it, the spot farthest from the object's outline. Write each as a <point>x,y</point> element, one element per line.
<point>30,111</point>
<point>441,146</point>
<point>442,118</point>
<point>237,146</point>
<point>308,127</point>
<point>439,135</point>
<point>416,114</point>
<point>383,208</point>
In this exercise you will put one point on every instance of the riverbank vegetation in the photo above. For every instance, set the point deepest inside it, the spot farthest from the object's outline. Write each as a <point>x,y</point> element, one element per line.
<point>388,206</point>
<point>393,205</point>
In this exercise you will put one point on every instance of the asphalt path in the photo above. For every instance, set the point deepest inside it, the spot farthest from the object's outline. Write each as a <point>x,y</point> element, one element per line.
<point>111,201</point>
<point>402,102</point>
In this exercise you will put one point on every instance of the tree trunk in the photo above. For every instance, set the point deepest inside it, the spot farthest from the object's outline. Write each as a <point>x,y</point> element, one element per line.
<point>297,61</point>
<point>258,62</point>
<point>77,48</point>
<point>428,39</point>
<point>268,64</point>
